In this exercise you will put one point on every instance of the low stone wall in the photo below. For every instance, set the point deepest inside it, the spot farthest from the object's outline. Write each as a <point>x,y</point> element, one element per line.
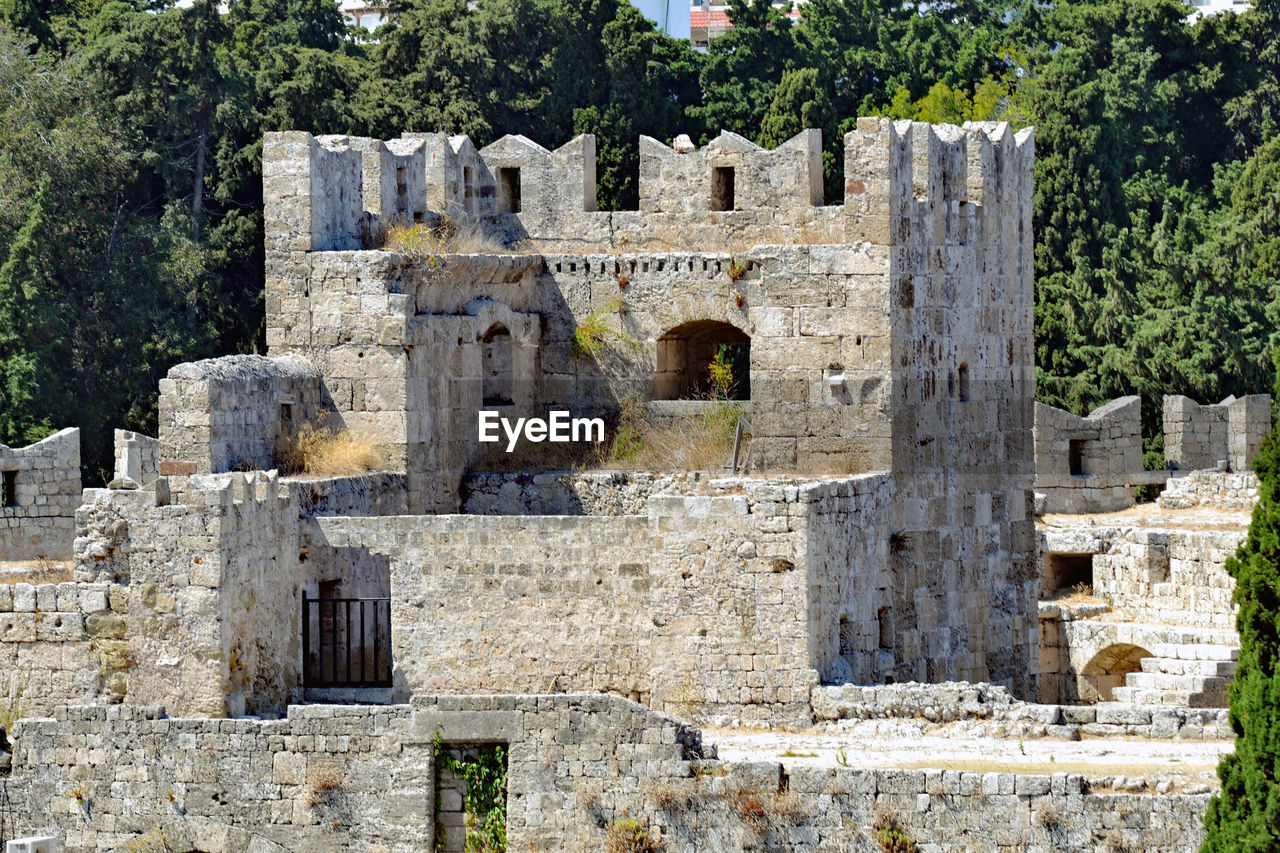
<point>1199,437</point>
<point>1089,464</point>
<point>62,643</point>
<point>39,493</point>
<point>1217,489</point>
<point>728,603</point>
<point>580,767</point>
<point>570,493</point>
<point>375,493</point>
<point>1004,716</point>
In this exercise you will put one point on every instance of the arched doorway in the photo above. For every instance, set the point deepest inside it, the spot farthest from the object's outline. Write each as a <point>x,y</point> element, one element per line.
<point>496,365</point>
<point>703,359</point>
<point>1106,670</point>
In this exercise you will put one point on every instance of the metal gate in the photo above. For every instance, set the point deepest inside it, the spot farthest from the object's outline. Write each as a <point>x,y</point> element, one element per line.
<point>346,642</point>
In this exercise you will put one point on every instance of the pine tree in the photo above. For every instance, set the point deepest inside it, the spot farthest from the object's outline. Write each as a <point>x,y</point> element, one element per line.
<point>1245,816</point>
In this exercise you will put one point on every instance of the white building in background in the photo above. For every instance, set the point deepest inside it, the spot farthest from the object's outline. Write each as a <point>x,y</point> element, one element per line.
<point>1203,8</point>
<point>364,13</point>
<point>670,15</point>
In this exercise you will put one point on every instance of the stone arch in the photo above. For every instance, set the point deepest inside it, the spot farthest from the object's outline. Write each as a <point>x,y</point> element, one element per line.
<point>496,366</point>
<point>1106,670</point>
<point>684,356</point>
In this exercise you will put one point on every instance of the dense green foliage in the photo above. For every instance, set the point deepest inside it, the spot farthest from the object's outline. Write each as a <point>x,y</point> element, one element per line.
<point>130,145</point>
<point>1245,816</point>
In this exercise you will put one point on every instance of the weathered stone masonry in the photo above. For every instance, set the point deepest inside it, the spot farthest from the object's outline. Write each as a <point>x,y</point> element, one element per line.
<point>39,493</point>
<point>105,777</point>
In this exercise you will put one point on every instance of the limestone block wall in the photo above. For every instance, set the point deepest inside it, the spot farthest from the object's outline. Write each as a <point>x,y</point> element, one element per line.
<point>1211,489</point>
<point>228,413</point>
<point>723,603</point>
<point>137,458</point>
<point>1089,464</point>
<point>1198,437</point>
<point>577,765</point>
<point>1171,577</point>
<point>954,207</point>
<point>585,493</point>
<point>39,493</point>
<point>207,571</point>
<point>61,643</point>
<point>1086,656</point>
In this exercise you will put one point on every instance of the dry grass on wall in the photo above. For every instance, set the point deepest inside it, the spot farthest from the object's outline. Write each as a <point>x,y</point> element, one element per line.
<point>37,571</point>
<point>325,452</point>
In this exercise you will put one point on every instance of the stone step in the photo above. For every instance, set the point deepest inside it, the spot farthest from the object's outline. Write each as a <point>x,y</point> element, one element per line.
<point>1169,698</point>
<point>1173,666</point>
<point>1196,651</point>
<point>1175,683</point>
<point>1190,682</point>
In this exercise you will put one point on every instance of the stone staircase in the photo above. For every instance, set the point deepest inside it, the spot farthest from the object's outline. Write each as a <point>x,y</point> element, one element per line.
<point>1189,675</point>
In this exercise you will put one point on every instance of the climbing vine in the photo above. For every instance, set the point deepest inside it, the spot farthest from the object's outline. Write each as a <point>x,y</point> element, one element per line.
<point>485,800</point>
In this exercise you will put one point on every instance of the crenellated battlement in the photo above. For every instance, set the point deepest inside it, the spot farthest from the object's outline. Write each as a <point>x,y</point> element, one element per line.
<point>901,179</point>
<point>943,182</point>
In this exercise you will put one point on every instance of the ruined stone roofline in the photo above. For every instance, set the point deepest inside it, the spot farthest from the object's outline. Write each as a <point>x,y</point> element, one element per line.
<point>51,445</point>
<point>338,192</point>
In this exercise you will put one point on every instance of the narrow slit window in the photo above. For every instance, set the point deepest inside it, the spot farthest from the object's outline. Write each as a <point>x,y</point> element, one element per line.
<point>10,488</point>
<point>722,188</point>
<point>509,190</point>
<point>964,383</point>
<point>402,190</point>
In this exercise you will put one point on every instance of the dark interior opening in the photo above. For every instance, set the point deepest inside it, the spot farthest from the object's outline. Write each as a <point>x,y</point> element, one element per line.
<point>9,490</point>
<point>685,360</point>
<point>508,190</point>
<point>722,188</point>
<point>1075,457</point>
<point>964,383</point>
<point>1065,571</point>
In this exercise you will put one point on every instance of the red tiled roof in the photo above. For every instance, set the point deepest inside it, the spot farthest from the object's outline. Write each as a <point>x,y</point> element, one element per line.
<point>713,18</point>
<point>719,18</point>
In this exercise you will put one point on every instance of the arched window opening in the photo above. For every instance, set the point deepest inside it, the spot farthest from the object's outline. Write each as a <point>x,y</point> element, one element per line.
<point>496,366</point>
<point>1107,670</point>
<point>703,360</point>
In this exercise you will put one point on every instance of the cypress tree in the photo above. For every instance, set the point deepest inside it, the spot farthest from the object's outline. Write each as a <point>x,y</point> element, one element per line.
<point>1245,816</point>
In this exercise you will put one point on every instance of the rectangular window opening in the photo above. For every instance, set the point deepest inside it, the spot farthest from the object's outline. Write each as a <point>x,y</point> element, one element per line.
<point>722,188</point>
<point>402,190</point>
<point>1075,457</point>
<point>9,491</point>
<point>509,190</point>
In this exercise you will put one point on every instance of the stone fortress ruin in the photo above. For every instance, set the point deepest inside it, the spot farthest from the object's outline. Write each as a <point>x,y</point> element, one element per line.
<point>241,660</point>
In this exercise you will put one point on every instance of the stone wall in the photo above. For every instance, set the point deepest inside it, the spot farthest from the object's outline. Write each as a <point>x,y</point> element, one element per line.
<point>1211,489</point>
<point>363,777</point>
<point>137,459</point>
<point>206,566</point>
<point>724,603</point>
<point>61,643</point>
<point>1200,437</point>
<point>39,493</point>
<point>1169,577</point>
<point>228,413</point>
<point>1089,464</point>
<point>584,493</point>
<point>983,710</point>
